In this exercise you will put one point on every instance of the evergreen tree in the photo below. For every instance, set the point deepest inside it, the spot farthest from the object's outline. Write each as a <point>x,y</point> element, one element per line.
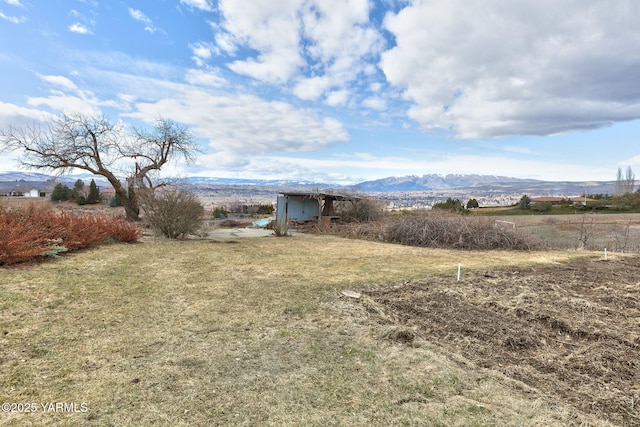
<point>472,204</point>
<point>451,205</point>
<point>525,202</point>
<point>60,192</point>
<point>94,193</point>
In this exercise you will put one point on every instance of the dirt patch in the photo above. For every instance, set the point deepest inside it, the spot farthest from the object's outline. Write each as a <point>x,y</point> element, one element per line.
<point>572,331</point>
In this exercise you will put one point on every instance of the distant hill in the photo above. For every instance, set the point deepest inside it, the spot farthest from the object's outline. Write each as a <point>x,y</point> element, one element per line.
<point>434,182</point>
<point>23,176</point>
<point>485,184</point>
<point>477,184</point>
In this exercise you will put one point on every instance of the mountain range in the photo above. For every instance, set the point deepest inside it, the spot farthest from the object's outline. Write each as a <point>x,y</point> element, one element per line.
<point>433,182</point>
<point>409,183</point>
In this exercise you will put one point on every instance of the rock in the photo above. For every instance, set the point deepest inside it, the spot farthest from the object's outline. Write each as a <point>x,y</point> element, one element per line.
<point>351,294</point>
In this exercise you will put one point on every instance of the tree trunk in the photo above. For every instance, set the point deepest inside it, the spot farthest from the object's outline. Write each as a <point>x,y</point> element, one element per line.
<point>132,211</point>
<point>131,207</point>
<point>129,199</point>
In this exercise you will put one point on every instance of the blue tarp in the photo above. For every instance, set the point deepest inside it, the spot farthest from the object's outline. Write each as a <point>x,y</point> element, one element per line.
<point>261,223</point>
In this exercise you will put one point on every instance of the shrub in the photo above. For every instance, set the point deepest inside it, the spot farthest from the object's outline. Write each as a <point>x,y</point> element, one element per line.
<point>280,228</point>
<point>121,230</point>
<point>21,240</point>
<point>454,205</point>
<point>374,230</point>
<point>456,233</point>
<point>219,213</point>
<point>265,210</point>
<point>541,207</point>
<point>362,209</point>
<point>172,212</point>
<point>115,201</point>
<point>31,232</point>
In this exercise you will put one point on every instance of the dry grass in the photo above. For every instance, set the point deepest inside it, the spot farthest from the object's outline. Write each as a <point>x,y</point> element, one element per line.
<point>246,332</point>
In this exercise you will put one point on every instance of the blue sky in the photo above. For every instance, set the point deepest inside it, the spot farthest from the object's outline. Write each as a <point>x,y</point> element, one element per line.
<point>342,90</point>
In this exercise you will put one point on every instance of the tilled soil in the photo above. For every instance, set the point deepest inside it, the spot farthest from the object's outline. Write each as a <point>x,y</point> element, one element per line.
<point>572,331</point>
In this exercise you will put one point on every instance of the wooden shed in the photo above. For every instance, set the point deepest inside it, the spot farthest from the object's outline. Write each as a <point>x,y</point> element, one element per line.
<point>299,208</point>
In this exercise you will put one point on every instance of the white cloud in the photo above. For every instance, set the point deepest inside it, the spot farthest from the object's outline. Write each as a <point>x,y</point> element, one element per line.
<point>228,165</point>
<point>235,123</point>
<point>211,78</point>
<point>503,68</point>
<point>14,3</point>
<point>337,98</point>
<point>323,47</point>
<point>13,19</point>
<point>14,115</point>
<point>635,160</point>
<point>340,35</point>
<point>79,29</point>
<point>312,88</point>
<point>367,166</point>
<point>272,29</point>
<point>59,81</point>
<point>66,97</point>
<point>139,16</point>
<point>226,42</point>
<point>62,102</point>
<point>202,52</point>
<point>245,125</point>
<point>205,5</point>
<point>375,103</point>
<point>18,117</point>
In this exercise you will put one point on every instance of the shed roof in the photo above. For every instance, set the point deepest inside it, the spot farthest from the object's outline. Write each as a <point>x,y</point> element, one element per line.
<point>325,196</point>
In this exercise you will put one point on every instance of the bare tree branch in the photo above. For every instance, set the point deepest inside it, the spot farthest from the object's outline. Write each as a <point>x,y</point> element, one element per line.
<point>94,144</point>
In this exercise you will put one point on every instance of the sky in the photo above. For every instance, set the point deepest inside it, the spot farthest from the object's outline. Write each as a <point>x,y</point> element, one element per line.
<point>341,91</point>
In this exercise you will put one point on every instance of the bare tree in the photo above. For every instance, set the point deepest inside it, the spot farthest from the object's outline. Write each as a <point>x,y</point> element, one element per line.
<point>94,144</point>
<point>619,191</point>
<point>625,184</point>
<point>629,180</point>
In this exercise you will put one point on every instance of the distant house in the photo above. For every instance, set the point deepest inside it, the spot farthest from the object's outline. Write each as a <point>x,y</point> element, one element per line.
<point>108,192</point>
<point>34,192</point>
<point>22,190</point>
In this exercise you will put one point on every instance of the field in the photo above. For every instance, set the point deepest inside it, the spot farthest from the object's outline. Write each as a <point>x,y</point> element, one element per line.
<point>569,331</point>
<point>264,332</point>
<point>615,232</point>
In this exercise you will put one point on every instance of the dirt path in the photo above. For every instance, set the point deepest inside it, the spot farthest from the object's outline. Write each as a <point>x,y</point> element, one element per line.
<point>571,331</point>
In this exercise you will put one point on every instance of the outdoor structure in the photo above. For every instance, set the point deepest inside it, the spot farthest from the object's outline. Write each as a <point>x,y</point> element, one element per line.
<point>107,192</point>
<point>308,208</point>
<point>23,190</point>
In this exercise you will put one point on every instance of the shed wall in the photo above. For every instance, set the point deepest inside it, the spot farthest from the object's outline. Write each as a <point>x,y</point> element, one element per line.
<point>297,208</point>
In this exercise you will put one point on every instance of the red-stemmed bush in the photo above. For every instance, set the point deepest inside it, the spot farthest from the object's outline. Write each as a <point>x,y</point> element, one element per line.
<point>31,232</point>
<point>19,240</point>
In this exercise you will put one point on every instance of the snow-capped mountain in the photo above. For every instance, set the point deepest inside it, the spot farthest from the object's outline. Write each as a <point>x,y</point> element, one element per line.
<point>434,182</point>
<point>23,176</point>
